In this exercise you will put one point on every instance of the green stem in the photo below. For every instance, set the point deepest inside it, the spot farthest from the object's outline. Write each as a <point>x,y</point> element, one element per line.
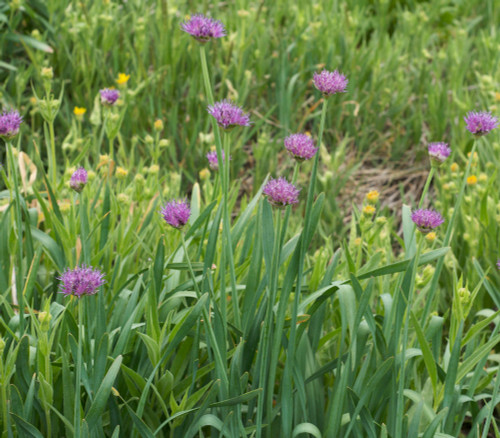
<point>218,358</point>
<point>290,359</point>
<point>4,398</point>
<point>400,397</point>
<point>52,159</point>
<point>78,367</point>
<point>274,347</point>
<point>19,227</point>
<point>426,187</point>
<point>449,230</point>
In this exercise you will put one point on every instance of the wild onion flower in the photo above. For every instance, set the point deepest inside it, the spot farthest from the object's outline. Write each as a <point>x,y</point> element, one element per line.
<point>212,159</point>
<point>9,124</point>
<point>228,115</point>
<point>109,96</point>
<point>281,193</point>
<point>438,152</point>
<point>176,213</point>
<point>203,29</point>
<point>78,179</point>
<point>426,220</point>
<point>480,123</point>
<point>498,264</point>
<point>300,146</point>
<point>330,82</point>
<point>83,280</point>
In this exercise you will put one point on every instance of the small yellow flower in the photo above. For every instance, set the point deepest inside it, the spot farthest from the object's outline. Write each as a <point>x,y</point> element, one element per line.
<point>430,237</point>
<point>122,78</point>
<point>204,174</point>
<point>33,100</point>
<point>483,177</point>
<point>497,96</point>
<point>372,196</point>
<point>454,167</point>
<point>158,125</point>
<point>79,111</point>
<point>357,241</point>
<point>472,180</point>
<point>121,173</point>
<point>368,210</point>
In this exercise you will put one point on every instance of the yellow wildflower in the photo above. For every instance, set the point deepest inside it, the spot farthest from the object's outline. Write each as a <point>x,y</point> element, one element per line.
<point>79,111</point>
<point>368,210</point>
<point>472,180</point>
<point>430,237</point>
<point>122,78</point>
<point>372,196</point>
<point>158,125</point>
<point>454,167</point>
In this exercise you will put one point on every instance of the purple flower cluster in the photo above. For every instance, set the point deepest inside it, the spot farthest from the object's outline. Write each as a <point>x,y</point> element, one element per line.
<point>203,28</point>
<point>281,193</point>
<point>228,115</point>
<point>330,82</point>
<point>498,264</point>
<point>439,152</point>
<point>9,124</point>
<point>83,280</point>
<point>212,159</point>
<point>426,220</point>
<point>78,179</point>
<point>300,146</point>
<point>480,123</point>
<point>109,96</point>
<point>176,213</point>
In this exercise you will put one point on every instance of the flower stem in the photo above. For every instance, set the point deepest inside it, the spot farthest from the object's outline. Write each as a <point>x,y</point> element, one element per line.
<point>78,367</point>
<point>52,159</point>
<point>447,237</point>
<point>19,229</point>
<point>426,187</point>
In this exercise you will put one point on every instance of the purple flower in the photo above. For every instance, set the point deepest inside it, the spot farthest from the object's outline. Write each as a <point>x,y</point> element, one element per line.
<point>426,220</point>
<point>330,82</point>
<point>78,179</point>
<point>300,146</point>
<point>228,115</point>
<point>438,152</point>
<point>280,192</point>
<point>212,159</point>
<point>176,213</point>
<point>480,123</point>
<point>498,264</point>
<point>9,124</point>
<point>203,28</point>
<point>109,96</point>
<point>83,280</point>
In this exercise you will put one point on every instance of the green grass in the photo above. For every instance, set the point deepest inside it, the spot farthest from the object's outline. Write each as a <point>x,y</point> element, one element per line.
<point>251,321</point>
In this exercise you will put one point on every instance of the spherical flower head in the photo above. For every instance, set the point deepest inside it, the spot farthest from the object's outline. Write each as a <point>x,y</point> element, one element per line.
<point>78,180</point>
<point>426,220</point>
<point>281,193</point>
<point>203,29</point>
<point>228,115</point>
<point>109,96</point>
<point>330,82</point>
<point>438,152</point>
<point>9,124</point>
<point>300,146</point>
<point>83,280</point>
<point>212,159</point>
<point>498,264</point>
<point>176,213</point>
<point>480,123</point>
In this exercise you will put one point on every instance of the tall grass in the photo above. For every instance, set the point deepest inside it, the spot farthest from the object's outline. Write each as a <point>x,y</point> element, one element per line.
<point>250,321</point>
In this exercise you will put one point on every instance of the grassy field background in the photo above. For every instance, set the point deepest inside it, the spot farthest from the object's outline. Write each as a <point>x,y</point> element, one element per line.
<point>415,68</point>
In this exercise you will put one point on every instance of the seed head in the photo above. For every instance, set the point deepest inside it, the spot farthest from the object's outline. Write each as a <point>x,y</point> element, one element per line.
<point>480,123</point>
<point>176,213</point>
<point>228,115</point>
<point>330,82</point>
<point>203,28</point>
<point>9,124</point>
<point>426,220</point>
<point>83,280</point>
<point>281,193</point>
<point>300,146</point>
